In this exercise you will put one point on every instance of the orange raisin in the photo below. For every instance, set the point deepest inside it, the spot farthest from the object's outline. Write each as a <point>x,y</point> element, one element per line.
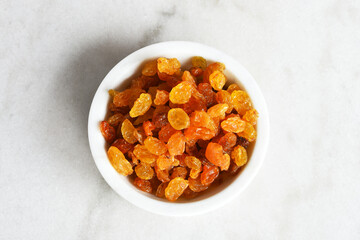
<point>193,162</point>
<point>127,97</point>
<point>217,66</point>
<point>218,111</point>
<point>209,174</point>
<point>241,101</point>
<point>178,118</point>
<point>107,131</point>
<point>155,146</point>
<point>115,119</point>
<point>194,173</point>
<point>176,144</point>
<point>144,171</point>
<point>217,80</point>
<point>148,115</point>
<point>119,162</point>
<point>144,82</point>
<point>250,116</point>
<point>206,90</point>
<point>196,71</point>
<point>160,116</point>
<point>214,153</point>
<point>168,66</point>
<point>166,162</point>
<point>249,132</point>
<point>202,119</point>
<point>123,145</point>
<point>166,132</point>
<point>160,191</point>
<point>187,77</point>
<point>198,133</point>
<point>112,93</point>
<point>233,124</point>
<point>233,87</point>
<point>179,172</point>
<point>143,154</point>
<point>175,188</point>
<point>196,185</point>
<point>181,93</point>
<point>143,185</point>
<point>141,105</point>
<point>189,194</point>
<point>162,175</point>
<point>161,97</point>
<point>150,68</point>
<point>224,97</point>
<point>228,141</point>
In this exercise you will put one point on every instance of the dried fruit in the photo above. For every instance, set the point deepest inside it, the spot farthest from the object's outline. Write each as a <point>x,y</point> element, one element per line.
<point>181,93</point>
<point>148,128</point>
<point>107,131</point>
<point>194,173</point>
<point>179,172</point>
<point>176,144</point>
<point>239,156</point>
<point>233,87</point>
<point>160,116</point>
<point>196,185</point>
<point>175,188</point>
<point>202,119</point>
<point>128,131</point>
<point>206,90</point>
<point>119,162</point>
<point>198,62</point>
<point>150,68</point>
<point>116,119</point>
<point>160,192</point>
<point>143,185</point>
<point>198,133</point>
<point>123,145</point>
<point>243,142</point>
<point>196,71</point>
<point>144,171</point>
<point>112,93</point>
<point>161,97</point>
<point>178,118</point>
<point>193,162</point>
<point>224,97</point>
<point>166,132</point>
<point>148,115</point>
<point>155,146</point>
<point>168,66</point>
<point>214,153</point>
<point>233,124</point>
<point>144,82</point>
<point>141,105</point>
<point>143,154</point>
<point>127,97</point>
<point>217,66</point>
<point>251,116</point>
<point>166,162</point>
<point>162,175</point>
<point>249,132</point>
<point>228,141</point>
<point>241,101</point>
<point>209,174</point>
<point>217,80</point>
<point>218,111</point>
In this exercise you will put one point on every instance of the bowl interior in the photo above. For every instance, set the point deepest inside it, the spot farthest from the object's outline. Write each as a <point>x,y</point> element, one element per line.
<point>120,77</point>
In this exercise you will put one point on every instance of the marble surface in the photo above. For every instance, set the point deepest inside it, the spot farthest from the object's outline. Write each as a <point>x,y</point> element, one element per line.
<point>303,54</point>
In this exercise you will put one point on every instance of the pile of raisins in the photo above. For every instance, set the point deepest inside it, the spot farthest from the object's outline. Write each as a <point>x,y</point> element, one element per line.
<point>175,132</point>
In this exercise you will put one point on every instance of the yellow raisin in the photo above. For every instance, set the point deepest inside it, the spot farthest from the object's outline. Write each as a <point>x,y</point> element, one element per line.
<point>155,146</point>
<point>128,131</point>
<point>144,155</point>
<point>217,80</point>
<point>218,111</point>
<point>250,116</point>
<point>150,68</point>
<point>178,118</point>
<point>175,188</point>
<point>198,62</point>
<point>141,105</point>
<point>241,101</point>
<point>249,132</point>
<point>144,171</point>
<point>233,124</point>
<point>168,66</point>
<point>239,156</point>
<point>181,93</point>
<point>119,162</point>
<point>233,87</point>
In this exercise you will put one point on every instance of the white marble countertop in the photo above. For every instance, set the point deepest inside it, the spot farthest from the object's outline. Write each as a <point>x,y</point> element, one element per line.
<point>303,54</point>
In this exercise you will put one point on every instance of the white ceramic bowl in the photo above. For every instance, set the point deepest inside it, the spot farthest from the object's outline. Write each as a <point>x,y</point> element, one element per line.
<point>120,76</point>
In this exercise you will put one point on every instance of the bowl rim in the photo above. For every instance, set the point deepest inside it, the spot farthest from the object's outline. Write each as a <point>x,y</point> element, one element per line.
<point>188,208</point>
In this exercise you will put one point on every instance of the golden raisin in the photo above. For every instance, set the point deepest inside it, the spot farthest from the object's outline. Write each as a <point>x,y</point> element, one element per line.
<point>123,145</point>
<point>160,192</point>
<point>150,68</point>
<point>250,116</point>
<point>166,132</point>
<point>214,153</point>
<point>161,97</point>
<point>144,171</point>
<point>143,154</point>
<point>116,119</point>
<point>127,97</point>
<point>217,66</point>
<point>199,62</point>
<point>148,128</point>
<point>233,87</point>
<point>179,172</point>
<point>196,185</point>
<point>224,97</point>
<point>249,132</point>
<point>233,124</point>
<point>119,162</point>
<point>241,101</point>
<point>193,162</point>
<point>239,156</point>
<point>141,105</point>
<point>162,175</point>
<point>218,111</point>
<point>128,131</point>
<point>166,162</point>
<point>181,93</point>
<point>168,66</point>
<point>178,118</point>
<point>175,188</point>
<point>143,185</point>
<point>155,146</point>
<point>176,144</point>
<point>217,80</point>
<point>209,174</point>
